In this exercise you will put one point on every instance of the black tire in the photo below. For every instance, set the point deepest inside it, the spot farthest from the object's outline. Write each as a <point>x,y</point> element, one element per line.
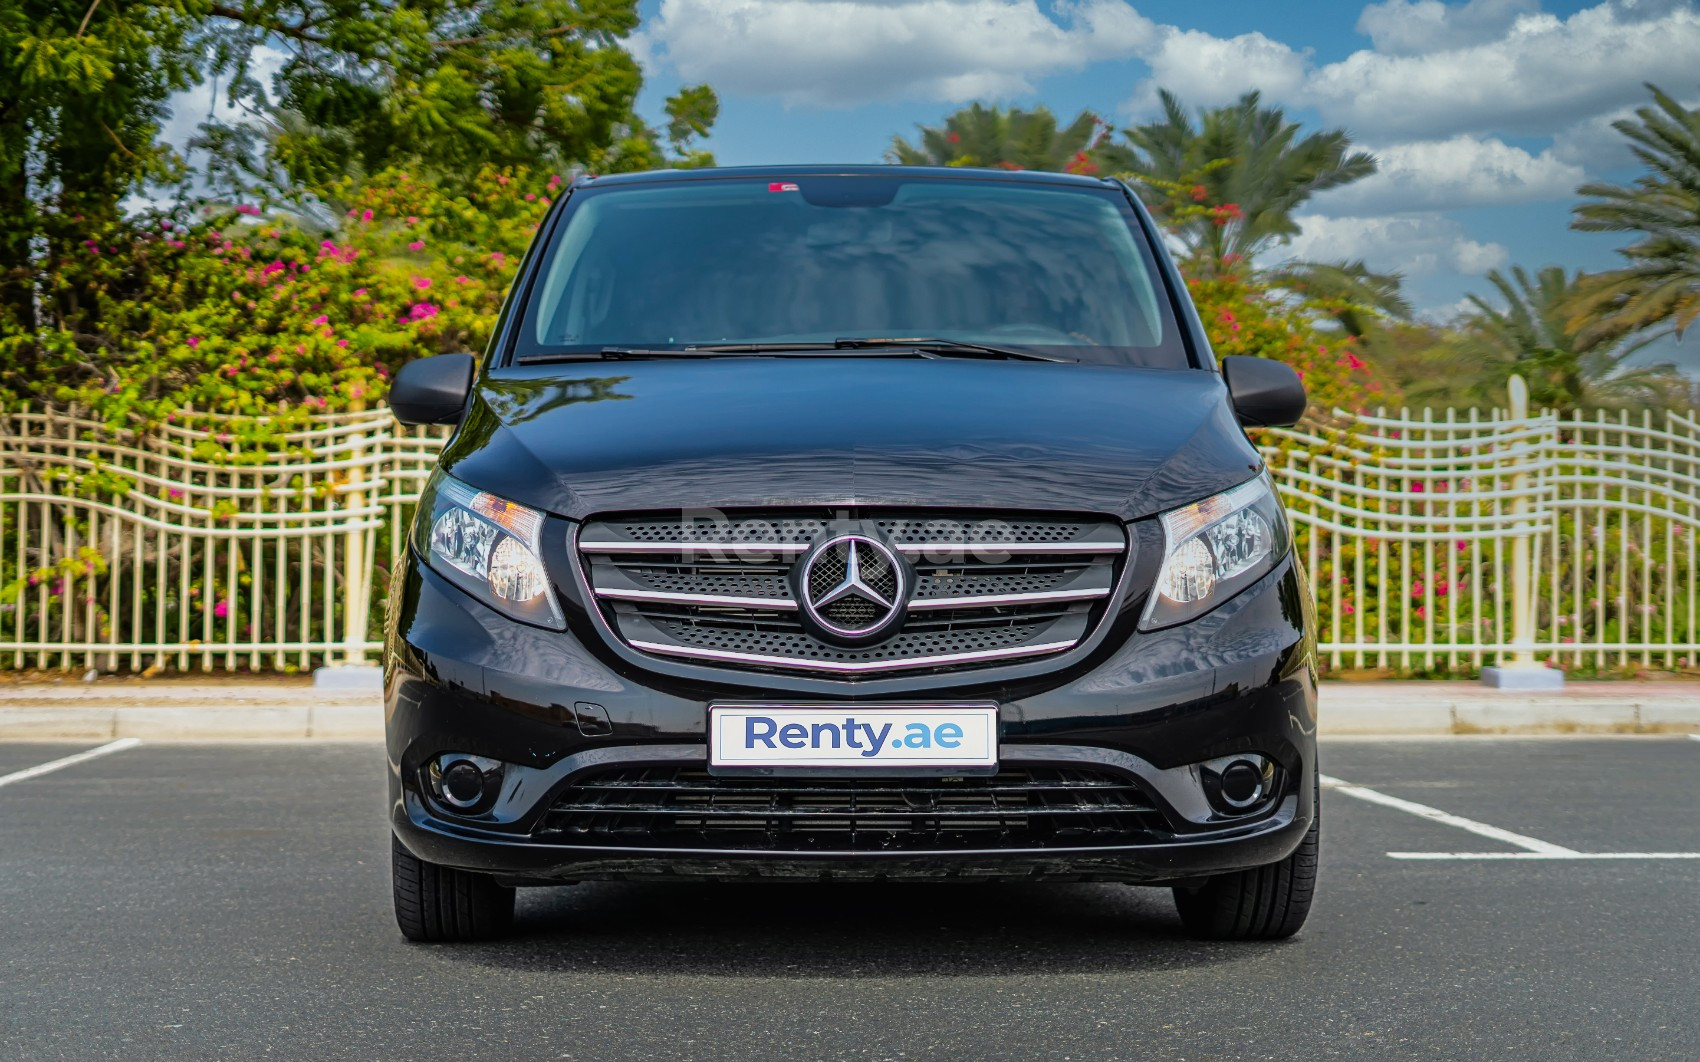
<point>434,903</point>
<point>1264,903</point>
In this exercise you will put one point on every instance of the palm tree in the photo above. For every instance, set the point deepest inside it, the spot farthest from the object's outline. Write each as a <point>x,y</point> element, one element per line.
<point>1660,287</point>
<point>1533,334</point>
<point>1014,140</point>
<point>1348,292</point>
<point>1244,156</point>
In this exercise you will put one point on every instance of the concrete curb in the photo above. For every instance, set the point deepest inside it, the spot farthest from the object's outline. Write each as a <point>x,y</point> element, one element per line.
<point>261,712</point>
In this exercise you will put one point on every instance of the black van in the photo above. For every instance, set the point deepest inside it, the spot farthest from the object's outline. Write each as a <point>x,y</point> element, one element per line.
<point>850,523</point>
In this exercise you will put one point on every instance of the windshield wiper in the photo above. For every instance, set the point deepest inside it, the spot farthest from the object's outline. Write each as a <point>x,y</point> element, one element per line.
<point>948,347</point>
<point>853,346</point>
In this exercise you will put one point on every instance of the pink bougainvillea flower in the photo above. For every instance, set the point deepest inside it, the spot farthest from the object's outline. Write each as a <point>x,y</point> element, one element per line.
<point>342,342</point>
<point>1463,545</point>
<point>531,197</point>
<point>1417,487</point>
<point>498,257</point>
<point>321,319</point>
<point>174,494</point>
<point>274,266</point>
<point>1421,612</point>
<point>365,215</point>
<point>463,279</point>
<point>422,282</point>
<point>1346,607</point>
<point>222,609</point>
<point>416,245</point>
<point>421,311</point>
<point>359,293</point>
<point>411,220</point>
<point>251,211</point>
<point>194,341</point>
<point>1354,362</point>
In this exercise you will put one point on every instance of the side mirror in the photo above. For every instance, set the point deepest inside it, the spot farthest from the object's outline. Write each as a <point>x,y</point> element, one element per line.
<point>1265,393</point>
<point>433,390</point>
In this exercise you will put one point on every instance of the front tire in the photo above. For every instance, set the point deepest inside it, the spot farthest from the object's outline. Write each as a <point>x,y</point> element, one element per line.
<point>1263,903</point>
<point>435,903</point>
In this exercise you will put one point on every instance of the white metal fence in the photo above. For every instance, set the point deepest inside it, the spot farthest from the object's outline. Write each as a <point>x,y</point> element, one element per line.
<point>1443,542</point>
<point>1436,542</point>
<point>212,542</point>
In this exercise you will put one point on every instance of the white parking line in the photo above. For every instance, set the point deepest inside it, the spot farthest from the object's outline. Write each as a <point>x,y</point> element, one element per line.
<point>1545,855</point>
<point>1447,818</point>
<point>69,761</point>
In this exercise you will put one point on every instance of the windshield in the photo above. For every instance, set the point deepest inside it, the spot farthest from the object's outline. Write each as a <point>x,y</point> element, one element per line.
<point>1044,267</point>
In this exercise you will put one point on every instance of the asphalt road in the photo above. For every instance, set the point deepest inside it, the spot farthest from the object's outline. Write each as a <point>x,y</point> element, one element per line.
<point>233,902</point>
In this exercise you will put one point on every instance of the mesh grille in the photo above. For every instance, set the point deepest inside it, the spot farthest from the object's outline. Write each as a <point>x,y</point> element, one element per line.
<point>1018,808</point>
<point>797,644</point>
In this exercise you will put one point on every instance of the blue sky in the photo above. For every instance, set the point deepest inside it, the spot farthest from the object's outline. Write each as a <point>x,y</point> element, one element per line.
<point>1486,115</point>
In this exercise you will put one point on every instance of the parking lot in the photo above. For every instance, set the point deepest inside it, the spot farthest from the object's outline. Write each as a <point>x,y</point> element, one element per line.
<point>232,901</point>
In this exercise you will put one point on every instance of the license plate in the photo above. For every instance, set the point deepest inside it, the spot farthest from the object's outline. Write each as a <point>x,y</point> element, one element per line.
<point>854,737</point>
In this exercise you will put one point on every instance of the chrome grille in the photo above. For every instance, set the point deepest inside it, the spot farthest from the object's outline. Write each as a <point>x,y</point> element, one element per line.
<point>986,590</point>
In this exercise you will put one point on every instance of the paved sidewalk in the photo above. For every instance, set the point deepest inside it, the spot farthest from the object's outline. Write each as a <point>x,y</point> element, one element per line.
<point>179,711</point>
<point>289,710</point>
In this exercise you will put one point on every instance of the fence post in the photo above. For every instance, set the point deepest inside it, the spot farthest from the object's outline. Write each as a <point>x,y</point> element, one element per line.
<point>352,671</point>
<point>1522,671</point>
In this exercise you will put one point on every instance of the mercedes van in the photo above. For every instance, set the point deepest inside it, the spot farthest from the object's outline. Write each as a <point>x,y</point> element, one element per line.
<point>850,523</point>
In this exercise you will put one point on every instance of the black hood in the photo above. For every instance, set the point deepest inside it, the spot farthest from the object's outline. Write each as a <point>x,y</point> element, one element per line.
<point>839,431</point>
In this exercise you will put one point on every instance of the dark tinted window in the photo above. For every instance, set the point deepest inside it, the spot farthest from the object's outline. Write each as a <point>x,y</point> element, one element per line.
<point>1044,267</point>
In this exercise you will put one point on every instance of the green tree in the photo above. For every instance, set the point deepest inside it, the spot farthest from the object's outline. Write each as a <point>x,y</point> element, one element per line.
<point>449,85</point>
<point>82,92</point>
<point>443,88</point>
<point>1659,289</point>
<point>993,138</point>
<point>1246,158</point>
<point>1533,334</point>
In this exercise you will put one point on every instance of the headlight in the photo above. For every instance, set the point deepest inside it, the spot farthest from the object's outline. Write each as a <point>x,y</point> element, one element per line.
<point>487,546</point>
<point>1215,548</point>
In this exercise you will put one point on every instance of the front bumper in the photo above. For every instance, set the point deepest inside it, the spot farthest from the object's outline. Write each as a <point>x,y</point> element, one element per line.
<point>462,678</point>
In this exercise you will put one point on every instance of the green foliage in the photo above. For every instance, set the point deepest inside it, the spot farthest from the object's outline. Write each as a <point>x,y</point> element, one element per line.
<point>449,87</point>
<point>1245,156</point>
<point>250,314</point>
<point>1659,289</point>
<point>993,138</point>
<point>1531,331</point>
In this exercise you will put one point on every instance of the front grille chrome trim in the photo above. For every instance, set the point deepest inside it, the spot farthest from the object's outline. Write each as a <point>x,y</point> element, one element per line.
<point>669,597</point>
<point>854,667</point>
<point>795,548</point>
<point>1037,597</point>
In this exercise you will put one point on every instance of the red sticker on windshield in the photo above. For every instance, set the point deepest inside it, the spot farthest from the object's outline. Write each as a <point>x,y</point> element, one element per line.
<point>782,186</point>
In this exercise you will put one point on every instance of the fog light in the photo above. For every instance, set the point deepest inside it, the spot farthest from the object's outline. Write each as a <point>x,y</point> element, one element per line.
<point>465,782</point>
<point>1238,785</point>
<point>1242,782</point>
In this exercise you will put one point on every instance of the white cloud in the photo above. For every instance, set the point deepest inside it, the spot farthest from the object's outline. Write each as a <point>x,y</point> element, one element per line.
<point>1461,171</point>
<point>1412,244</point>
<point>1412,27</point>
<point>1541,75</point>
<point>1207,71</point>
<point>841,53</point>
